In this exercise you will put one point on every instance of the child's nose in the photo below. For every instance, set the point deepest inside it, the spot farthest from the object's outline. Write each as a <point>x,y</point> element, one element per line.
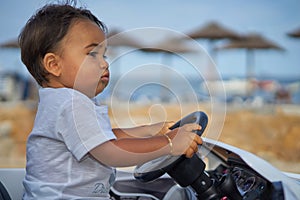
<point>104,64</point>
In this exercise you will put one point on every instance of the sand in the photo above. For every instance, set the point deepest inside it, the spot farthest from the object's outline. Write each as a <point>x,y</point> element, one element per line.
<point>271,132</point>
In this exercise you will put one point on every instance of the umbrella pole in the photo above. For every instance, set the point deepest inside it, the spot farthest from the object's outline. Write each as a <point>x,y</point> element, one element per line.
<point>165,79</point>
<point>212,52</point>
<point>249,71</point>
<point>250,64</point>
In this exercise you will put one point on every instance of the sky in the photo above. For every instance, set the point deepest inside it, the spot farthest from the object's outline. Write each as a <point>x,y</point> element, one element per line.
<point>273,19</point>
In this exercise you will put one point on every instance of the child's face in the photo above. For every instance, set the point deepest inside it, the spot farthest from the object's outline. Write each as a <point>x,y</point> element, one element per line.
<point>84,67</point>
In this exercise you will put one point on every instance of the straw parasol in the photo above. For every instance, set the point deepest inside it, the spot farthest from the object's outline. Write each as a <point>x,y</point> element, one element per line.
<point>10,44</point>
<point>172,45</point>
<point>251,42</point>
<point>295,33</point>
<point>213,31</point>
<point>118,38</point>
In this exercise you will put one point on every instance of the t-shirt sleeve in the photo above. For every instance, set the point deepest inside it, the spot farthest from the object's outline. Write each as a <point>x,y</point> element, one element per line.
<point>83,125</point>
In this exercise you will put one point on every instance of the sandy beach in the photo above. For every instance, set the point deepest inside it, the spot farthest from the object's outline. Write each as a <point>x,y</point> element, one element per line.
<point>271,132</point>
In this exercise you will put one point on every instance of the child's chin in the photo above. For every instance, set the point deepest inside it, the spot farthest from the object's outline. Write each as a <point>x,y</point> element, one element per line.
<point>101,87</point>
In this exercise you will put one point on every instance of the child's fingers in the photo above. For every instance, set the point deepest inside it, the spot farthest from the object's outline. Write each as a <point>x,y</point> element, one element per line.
<point>169,123</point>
<point>189,153</point>
<point>165,127</point>
<point>194,146</point>
<point>198,139</point>
<point>191,127</point>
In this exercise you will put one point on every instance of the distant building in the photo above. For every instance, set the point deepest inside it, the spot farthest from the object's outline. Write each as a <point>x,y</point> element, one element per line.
<point>8,87</point>
<point>15,87</point>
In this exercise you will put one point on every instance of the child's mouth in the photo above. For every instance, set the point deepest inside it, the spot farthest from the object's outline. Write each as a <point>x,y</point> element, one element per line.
<point>105,76</point>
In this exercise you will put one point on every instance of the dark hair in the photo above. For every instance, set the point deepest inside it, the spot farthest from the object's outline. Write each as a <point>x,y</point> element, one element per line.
<point>44,31</point>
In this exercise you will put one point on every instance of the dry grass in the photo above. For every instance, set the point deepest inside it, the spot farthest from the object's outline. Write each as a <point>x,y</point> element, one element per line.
<point>268,133</point>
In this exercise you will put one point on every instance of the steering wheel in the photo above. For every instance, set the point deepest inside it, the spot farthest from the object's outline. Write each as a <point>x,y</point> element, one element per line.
<point>175,166</point>
<point>189,171</point>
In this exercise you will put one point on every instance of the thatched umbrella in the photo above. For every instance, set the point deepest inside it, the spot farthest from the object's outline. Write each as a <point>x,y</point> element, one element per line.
<point>169,47</point>
<point>10,44</point>
<point>295,33</point>
<point>251,42</point>
<point>213,31</point>
<point>117,38</point>
<point>174,45</point>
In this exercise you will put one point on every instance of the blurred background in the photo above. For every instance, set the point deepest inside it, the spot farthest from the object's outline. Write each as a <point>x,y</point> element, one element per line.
<point>250,50</point>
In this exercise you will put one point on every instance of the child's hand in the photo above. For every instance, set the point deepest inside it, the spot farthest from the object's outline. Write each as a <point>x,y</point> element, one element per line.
<point>184,140</point>
<point>160,128</point>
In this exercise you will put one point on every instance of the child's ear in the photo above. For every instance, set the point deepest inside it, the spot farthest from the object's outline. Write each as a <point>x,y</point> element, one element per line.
<point>51,64</point>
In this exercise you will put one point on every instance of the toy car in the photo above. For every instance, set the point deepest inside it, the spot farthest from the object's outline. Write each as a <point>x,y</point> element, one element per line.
<point>218,171</point>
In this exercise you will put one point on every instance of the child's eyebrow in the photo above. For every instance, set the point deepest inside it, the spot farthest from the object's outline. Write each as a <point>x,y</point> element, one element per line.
<point>96,46</point>
<point>93,45</point>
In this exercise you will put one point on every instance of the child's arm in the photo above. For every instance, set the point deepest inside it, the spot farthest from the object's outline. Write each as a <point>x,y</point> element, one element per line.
<point>143,131</point>
<point>125,152</point>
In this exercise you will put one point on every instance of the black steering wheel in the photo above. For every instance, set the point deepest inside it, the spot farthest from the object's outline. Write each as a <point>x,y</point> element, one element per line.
<point>154,169</point>
<point>189,171</point>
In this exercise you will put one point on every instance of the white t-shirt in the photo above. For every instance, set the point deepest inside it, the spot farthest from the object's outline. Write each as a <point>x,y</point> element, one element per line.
<point>67,126</point>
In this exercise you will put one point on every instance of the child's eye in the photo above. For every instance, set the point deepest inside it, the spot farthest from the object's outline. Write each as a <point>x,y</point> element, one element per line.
<point>93,54</point>
<point>104,56</point>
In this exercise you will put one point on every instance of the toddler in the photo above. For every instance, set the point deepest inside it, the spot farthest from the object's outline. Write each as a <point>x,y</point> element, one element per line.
<point>72,151</point>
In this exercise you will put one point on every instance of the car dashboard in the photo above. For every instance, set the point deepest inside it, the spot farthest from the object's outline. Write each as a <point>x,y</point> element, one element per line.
<point>231,175</point>
<point>249,184</point>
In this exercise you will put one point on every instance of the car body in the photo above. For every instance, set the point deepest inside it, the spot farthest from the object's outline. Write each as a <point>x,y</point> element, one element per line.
<point>252,176</point>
